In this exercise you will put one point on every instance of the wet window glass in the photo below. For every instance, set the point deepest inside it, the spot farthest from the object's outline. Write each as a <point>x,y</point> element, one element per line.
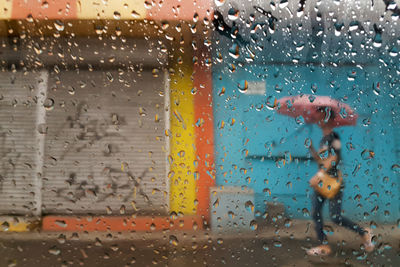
<point>199,133</point>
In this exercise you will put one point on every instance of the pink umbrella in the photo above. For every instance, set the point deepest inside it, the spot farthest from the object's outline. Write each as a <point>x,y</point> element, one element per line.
<point>307,108</point>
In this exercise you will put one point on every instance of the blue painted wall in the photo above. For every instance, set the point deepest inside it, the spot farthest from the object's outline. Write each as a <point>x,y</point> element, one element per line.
<point>252,140</point>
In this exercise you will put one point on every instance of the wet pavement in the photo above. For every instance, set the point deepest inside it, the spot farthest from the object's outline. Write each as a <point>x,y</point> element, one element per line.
<point>275,246</point>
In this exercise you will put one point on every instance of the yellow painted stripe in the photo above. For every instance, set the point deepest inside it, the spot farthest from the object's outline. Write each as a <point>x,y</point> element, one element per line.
<point>182,141</point>
<point>111,9</point>
<point>14,227</point>
<point>5,9</point>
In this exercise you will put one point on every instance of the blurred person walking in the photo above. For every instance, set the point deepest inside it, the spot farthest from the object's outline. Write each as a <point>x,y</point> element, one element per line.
<point>328,184</point>
<point>328,158</point>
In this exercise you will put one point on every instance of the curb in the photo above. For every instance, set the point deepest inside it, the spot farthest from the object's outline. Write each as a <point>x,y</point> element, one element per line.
<point>120,223</point>
<point>18,224</point>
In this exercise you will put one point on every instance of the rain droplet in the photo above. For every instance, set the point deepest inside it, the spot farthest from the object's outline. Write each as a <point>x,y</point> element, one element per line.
<point>249,206</point>
<point>61,223</point>
<point>5,226</point>
<point>55,251</point>
<point>277,243</point>
<point>243,86</point>
<point>307,142</point>
<point>147,4</point>
<point>231,215</point>
<point>353,25</point>
<point>300,120</point>
<point>173,240</point>
<point>49,104</point>
<point>278,88</point>
<point>222,92</point>
<point>396,168</point>
<point>253,225</point>
<point>122,209</point>
<point>288,223</point>
<point>135,15</point>
<point>377,40</point>
<point>367,154</point>
<point>59,25</point>
<point>351,76</point>
<point>283,3</point>
<point>71,90</point>
<point>29,18</point>
<point>61,239</point>
<point>219,3</point>
<point>233,14</point>
<point>234,51</point>
<point>117,15</point>
<point>265,247</point>
<point>393,52</point>
<point>42,128</point>
<point>305,212</point>
<point>110,77</point>
<point>376,88</point>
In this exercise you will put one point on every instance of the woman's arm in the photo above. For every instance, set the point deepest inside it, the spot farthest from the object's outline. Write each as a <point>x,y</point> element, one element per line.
<point>315,154</point>
<point>325,162</point>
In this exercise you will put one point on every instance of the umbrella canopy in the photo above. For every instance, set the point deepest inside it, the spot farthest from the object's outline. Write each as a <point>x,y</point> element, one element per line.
<point>308,108</point>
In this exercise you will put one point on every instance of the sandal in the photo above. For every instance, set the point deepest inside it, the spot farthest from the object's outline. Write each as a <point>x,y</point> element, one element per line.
<point>367,237</point>
<point>323,250</point>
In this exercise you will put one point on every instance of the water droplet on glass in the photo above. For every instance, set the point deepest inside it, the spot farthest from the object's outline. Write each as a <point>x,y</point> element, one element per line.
<point>71,90</point>
<point>135,15</point>
<point>376,88</point>
<point>396,168</point>
<point>234,51</point>
<point>42,128</point>
<point>249,206</point>
<point>61,239</point>
<point>367,154</point>
<point>117,15</point>
<point>219,3</point>
<point>45,4</point>
<point>55,251</point>
<point>351,76</point>
<point>277,243</point>
<point>253,225</point>
<point>288,223</point>
<point>377,40</point>
<point>343,113</point>
<point>147,4</point>
<point>305,212</point>
<point>59,25</point>
<point>29,18</point>
<point>173,240</point>
<point>353,25</point>
<point>48,104</point>
<point>307,142</point>
<point>243,86</point>
<point>300,120</point>
<point>393,52</point>
<point>5,226</point>
<point>110,77</point>
<point>122,209</point>
<point>283,3</point>
<point>233,14</point>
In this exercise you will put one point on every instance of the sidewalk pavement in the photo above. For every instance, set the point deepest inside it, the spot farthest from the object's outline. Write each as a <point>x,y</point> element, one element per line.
<point>295,229</point>
<point>280,245</point>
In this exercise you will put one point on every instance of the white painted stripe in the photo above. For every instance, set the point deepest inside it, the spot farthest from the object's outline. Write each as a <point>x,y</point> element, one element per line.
<point>40,138</point>
<point>167,129</point>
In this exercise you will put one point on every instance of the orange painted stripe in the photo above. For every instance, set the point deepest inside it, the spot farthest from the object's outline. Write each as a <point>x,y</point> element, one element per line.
<point>54,9</point>
<point>85,223</point>
<point>204,121</point>
<point>179,10</point>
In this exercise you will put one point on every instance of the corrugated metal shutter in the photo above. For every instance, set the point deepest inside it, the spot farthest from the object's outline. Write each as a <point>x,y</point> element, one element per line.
<point>105,146</point>
<point>18,146</point>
